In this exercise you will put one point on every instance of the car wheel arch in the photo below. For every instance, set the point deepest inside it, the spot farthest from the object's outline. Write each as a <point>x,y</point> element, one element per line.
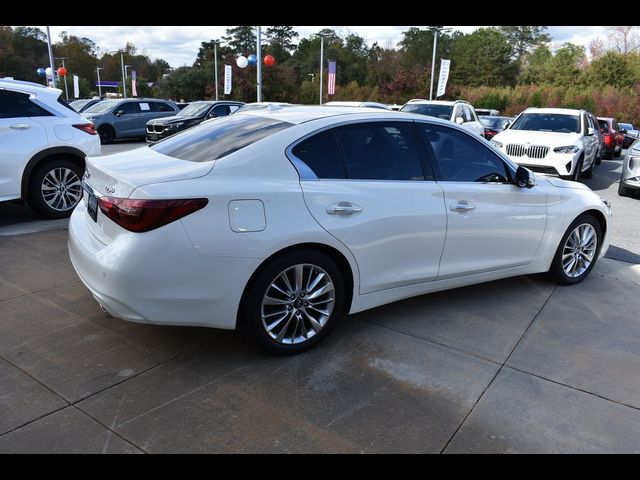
<point>71,154</point>
<point>336,255</point>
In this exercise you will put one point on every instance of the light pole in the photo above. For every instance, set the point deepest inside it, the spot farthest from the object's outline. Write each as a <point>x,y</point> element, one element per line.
<point>99,86</point>
<point>321,62</point>
<point>66,89</point>
<point>259,65</point>
<point>53,73</point>
<point>435,31</point>
<point>215,63</point>
<point>124,76</point>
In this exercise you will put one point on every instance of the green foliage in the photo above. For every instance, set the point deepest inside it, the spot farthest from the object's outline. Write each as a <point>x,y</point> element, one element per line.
<point>524,39</point>
<point>241,40</point>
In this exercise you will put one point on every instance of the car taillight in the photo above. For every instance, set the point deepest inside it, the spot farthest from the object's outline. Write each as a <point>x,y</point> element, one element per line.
<point>145,215</point>
<point>607,139</point>
<point>87,128</point>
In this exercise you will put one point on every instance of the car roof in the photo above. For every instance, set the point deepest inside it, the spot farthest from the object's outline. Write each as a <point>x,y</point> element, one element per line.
<point>30,88</point>
<point>560,111</point>
<point>436,102</point>
<point>305,113</point>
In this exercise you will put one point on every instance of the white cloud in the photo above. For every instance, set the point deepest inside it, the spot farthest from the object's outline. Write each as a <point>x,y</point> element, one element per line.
<point>179,45</point>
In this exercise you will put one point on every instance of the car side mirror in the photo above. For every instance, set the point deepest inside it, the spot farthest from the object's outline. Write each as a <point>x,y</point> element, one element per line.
<point>212,115</point>
<point>525,178</point>
<point>459,120</point>
<point>590,131</point>
<point>119,113</point>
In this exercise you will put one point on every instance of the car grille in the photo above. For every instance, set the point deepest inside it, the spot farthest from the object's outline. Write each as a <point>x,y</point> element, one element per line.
<point>159,128</point>
<point>532,151</point>
<point>149,128</point>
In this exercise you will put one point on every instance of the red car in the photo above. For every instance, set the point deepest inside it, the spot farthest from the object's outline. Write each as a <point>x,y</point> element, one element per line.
<point>613,138</point>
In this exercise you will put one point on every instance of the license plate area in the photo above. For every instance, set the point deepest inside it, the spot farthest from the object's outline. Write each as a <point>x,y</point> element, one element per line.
<point>92,202</point>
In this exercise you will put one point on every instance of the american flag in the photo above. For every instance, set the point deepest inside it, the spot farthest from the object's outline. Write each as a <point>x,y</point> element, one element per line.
<point>332,78</point>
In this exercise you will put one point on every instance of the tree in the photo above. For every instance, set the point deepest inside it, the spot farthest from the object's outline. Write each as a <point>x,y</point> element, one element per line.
<point>612,68</point>
<point>524,39</point>
<point>623,39</point>
<point>241,40</point>
<point>483,57</point>
<point>280,42</point>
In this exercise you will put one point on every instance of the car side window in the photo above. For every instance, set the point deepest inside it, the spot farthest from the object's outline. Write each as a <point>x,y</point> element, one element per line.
<point>233,108</point>
<point>457,112</point>
<point>322,154</point>
<point>585,124</point>
<point>614,125</point>
<point>18,105</point>
<point>128,108</point>
<point>220,111</point>
<point>160,107</point>
<point>380,151</point>
<point>462,158</point>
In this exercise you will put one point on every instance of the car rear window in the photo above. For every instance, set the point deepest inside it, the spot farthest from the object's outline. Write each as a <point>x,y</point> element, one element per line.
<point>218,138</point>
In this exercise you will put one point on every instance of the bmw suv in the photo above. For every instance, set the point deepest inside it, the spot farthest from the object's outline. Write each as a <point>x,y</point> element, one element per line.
<point>43,145</point>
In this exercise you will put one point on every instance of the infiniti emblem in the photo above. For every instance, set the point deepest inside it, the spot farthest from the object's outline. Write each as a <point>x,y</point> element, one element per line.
<point>109,189</point>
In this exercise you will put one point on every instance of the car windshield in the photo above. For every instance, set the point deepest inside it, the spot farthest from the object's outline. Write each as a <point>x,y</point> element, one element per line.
<point>439,111</point>
<point>195,109</point>
<point>493,122</point>
<point>218,138</point>
<point>102,107</point>
<point>78,104</point>
<point>547,122</point>
<point>626,126</point>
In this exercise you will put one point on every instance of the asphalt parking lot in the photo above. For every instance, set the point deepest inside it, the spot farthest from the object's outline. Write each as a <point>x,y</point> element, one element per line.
<point>518,365</point>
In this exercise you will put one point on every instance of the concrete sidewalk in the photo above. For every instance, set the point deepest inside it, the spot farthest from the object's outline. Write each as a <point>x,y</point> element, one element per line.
<point>519,365</point>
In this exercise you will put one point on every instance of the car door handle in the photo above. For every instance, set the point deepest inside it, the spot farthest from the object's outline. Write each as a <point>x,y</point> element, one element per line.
<point>20,126</point>
<point>462,206</point>
<point>343,208</point>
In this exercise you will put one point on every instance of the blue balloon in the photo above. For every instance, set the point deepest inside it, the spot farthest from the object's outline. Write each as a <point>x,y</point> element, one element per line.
<point>252,59</point>
<point>41,72</point>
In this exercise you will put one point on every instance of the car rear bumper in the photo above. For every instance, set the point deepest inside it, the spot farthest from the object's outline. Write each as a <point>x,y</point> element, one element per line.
<point>157,277</point>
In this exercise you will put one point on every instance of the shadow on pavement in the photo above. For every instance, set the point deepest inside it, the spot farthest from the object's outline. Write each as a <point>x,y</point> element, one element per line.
<point>622,254</point>
<point>607,173</point>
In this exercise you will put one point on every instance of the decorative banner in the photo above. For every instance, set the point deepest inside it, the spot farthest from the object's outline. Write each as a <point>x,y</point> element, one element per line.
<point>134,90</point>
<point>227,79</point>
<point>331,90</point>
<point>76,87</point>
<point>444,76</point>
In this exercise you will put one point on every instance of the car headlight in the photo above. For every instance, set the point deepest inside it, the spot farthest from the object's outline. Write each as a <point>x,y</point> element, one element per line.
<point>175,125</point>
<point>496,143</point>
<point>567,149</point>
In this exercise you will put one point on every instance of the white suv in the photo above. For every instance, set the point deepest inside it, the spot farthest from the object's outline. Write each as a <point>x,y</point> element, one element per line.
<point>556,141</point>
<point>458,111</point>
<point>43,145</point>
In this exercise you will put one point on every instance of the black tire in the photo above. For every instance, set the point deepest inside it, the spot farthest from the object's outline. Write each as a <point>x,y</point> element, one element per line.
<point>608,155</point>
<point>599,157</point>
<point>250,314</point>
<point>616,154</point>
<point>622,190</point>
<point>592,169</point>
<point>36,198</point>
<point>575,176</point>
<point>107,134</point>
<point>556,272</point>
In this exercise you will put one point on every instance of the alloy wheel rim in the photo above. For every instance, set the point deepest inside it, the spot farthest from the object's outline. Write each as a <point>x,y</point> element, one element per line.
<point>579,250</point>
<point>61,189</point>
<point>297,304</point>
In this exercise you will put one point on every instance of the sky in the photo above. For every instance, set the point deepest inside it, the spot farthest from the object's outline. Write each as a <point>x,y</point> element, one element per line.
<point>179,45</point>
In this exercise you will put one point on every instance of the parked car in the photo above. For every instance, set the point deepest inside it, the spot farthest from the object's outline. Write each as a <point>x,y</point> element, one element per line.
<point>556,141</point>
<point>493,125</point>
<point>487,112</point>
<point>459,112</point>
<point>630,176</point>
<point>382,106</point>
<point>593,123</point>
<point>43,145</point>
<point>127,118</point>
<point>264,106</point>
<point>82,104</point>
<point>226,224</point>
<point>613,138</point>
<point>630,134</point>
<point>194,114</point>
<point>182,105</point>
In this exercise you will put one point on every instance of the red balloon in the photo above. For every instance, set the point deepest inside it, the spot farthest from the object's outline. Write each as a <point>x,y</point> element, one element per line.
<point>269,61</point>
<point>62,72</point>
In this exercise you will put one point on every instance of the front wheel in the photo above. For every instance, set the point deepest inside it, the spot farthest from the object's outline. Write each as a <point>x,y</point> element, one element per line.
<point>292,304</point>
<point>578,251</point>
<point>592,169</point>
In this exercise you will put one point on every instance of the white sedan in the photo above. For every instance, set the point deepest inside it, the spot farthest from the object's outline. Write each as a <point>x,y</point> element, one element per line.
<point>279,221</point>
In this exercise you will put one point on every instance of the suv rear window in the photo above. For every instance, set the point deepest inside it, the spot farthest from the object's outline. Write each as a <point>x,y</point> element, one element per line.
<point>218,138</point>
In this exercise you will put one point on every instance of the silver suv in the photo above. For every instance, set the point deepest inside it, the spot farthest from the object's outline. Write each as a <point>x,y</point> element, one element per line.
<point>457,111</point>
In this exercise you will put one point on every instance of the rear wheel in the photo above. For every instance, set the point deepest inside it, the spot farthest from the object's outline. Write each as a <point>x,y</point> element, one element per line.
<point>107,134</point>
<point>599,157</point>
<point>55,188</point>
<point>292,304</point>
<point>578,251</point>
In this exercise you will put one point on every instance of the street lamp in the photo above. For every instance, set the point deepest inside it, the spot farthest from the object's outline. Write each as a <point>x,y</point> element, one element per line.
<point>215,63</point>
<point>259,65</point>
<point>66,89</point>
<point>435,31</point>
<point>321,35</point>
<point>99,85</point>
<point>124,79</point>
